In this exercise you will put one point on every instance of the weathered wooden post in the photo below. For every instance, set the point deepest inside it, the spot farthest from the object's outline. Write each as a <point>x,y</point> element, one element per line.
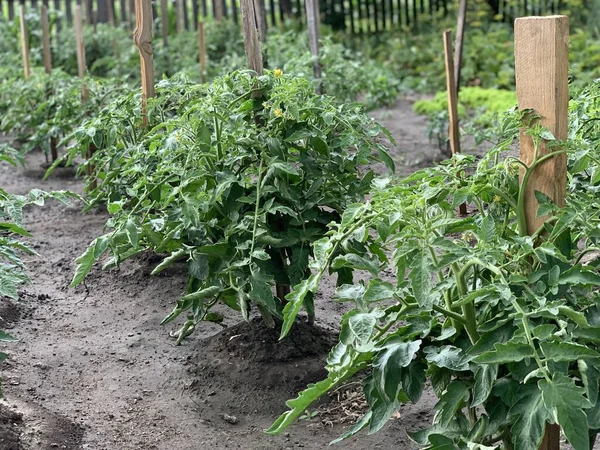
<point>47,57</point>
<point>454,129</point>
<point>313,23</point>
<point>81,69</point>
<point>142,36</point>
<point>179,16</point>
<point>24,40</point>
<point>164,21</point>
<point>202,51</point>
<point>458,45</point>
<point>541,69</point>
<point>46,51</point>
<point>251,40</point>
<point>219,13</point>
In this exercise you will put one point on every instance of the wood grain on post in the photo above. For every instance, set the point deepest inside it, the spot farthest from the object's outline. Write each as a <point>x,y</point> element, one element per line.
<point>202,51</point>
<point>46,51</point>
<point>261,22</point>
<point>313,23</point>
<point>251,41</point>
<point>454,130</point>
<point>458,46</point>
<point>24,41</point>
<point>142,36</point>
<point>541,69</point>
<point>164,21</point>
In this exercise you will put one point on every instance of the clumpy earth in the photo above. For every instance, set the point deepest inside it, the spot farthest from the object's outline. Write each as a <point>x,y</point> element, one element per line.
<point>93,369</point>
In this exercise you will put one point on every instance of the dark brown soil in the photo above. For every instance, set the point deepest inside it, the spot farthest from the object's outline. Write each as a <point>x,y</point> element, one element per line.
<point>93,369</point>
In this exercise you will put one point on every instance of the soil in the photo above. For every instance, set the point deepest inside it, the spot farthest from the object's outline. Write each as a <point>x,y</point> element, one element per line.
<point>93,369</point>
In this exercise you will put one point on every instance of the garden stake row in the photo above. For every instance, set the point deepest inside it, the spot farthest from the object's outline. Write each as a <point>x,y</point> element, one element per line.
<point>541,68</point>
<point>142,36</point>
<point>47,56</point>
<point>451,85</point>
<point>24,40</point>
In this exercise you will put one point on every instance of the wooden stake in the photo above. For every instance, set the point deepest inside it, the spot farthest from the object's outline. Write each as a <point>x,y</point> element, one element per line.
<point>179,9</point>
<point>164,21</point>
<point>251,41</point>
<point>541,68</point>
<point>312,19</point>
<point>24,41</point>
<point>458,45</point>
<point>218,10</point>
<point>454,130</point>
<point>81,63</point>
<point>111,12</point>
<point>142,36</point>
<point>202,51</point>
<point>46,51</point>
<point>47,56</point>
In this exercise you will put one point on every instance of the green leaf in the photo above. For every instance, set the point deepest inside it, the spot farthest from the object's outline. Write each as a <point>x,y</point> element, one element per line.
<point>528,429</point>
<point>579,275</point>
<point>387,364</point>
<point>567,351</point>
<point>86,261</point>
<point>440,442</point>
<point>505,353</point>
<point>132,232</point>
<point>173,257</point>
<point>420,279</point>
<point>295,300</point>
<point>378,290</point>
<point>357,262</point>
<point>566,402</point>
<point>447,356</point>
<point>413,380</point>
<point>485,376</point>
<point>5,337</point>
<point>451,402</point>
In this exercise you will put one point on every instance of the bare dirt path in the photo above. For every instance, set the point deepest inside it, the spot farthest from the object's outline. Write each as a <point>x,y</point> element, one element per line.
<point>93,369</point>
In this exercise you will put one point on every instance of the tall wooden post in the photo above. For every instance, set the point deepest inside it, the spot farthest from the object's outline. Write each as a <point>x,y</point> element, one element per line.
<point>458,46</point>
<point>47,56</point>
<point>179,15</point>
<point>313,23</point>
<point>202,51</point>
<point>251,40</point>
<point>81,63</point>
<point>46,51</point>
<point>24,40</point>
<point>541,68</point>
<point>218,4</point>
<point>164,21</point>
<point>454,130</point>
<point>142,36</point>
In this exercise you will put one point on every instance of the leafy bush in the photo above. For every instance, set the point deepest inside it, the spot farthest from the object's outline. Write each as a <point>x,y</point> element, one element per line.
<point>503,325</point>
<point>234,183</point>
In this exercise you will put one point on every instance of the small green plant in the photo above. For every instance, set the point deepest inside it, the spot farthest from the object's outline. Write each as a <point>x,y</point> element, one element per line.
<point>234,179</point>
<point>502,324</point>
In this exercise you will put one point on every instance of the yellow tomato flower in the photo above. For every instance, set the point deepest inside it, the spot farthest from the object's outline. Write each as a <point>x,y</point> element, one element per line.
<point>278,72</point>
<point>278,112</point>
<point>266,105</point>
<point>497,199</point>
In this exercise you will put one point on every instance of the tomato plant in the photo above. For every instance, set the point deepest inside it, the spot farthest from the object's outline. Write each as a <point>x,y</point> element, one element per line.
<point>504,326</point>
<point>236,179</point>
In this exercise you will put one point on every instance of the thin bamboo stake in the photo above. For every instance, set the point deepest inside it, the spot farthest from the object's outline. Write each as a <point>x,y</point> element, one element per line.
<point>202,51</point>
<point>24,41</point>
<point>142,36</point>
<point>452,104</point>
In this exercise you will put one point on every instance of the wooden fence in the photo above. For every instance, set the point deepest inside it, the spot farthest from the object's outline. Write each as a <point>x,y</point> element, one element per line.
<point>354,16</point>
